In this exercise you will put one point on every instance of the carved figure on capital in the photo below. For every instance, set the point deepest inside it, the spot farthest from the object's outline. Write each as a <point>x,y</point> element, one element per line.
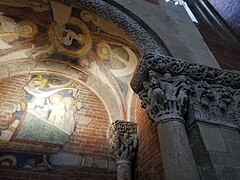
<point>182,98</point>
<point>170,93</point>
<point>123,141</point>
<point>215,104</point>
<point>128,142</point>
<point>167,96</point>
<point>235,108</point>
<point>224,98</point>
<point>204,98</point>
<point>155,94</point>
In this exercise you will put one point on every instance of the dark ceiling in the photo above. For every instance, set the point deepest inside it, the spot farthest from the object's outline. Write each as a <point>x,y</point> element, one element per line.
<point>230,12</point>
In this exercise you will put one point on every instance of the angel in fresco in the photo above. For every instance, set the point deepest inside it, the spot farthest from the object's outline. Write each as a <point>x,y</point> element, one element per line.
<point>123,58</point>
<point>10,30</point>
<point>103,25</point>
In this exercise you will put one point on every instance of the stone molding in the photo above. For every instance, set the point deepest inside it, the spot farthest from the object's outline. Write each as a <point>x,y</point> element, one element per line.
<point>136,32</point>
<point>214,104</point>
<point>203,94</point>
<point>123,140</point>
<point>165,64</point>
<point>155,59</point>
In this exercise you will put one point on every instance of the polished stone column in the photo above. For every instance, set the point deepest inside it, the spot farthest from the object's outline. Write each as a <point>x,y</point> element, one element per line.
<point>123,140</point>
<point>166,101</point>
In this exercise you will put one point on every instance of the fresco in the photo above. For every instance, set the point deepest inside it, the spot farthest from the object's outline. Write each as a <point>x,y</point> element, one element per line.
<point>75,35</point>
<point>46,112</point>
<point>22,161</point>
<point>10,30</point>
<point>50,107</point>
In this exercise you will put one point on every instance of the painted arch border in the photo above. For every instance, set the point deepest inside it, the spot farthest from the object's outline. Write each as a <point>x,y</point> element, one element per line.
<point>140,33</point>
<point>144,38</point>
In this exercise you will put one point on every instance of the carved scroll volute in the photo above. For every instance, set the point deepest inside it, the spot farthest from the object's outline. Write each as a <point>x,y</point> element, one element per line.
<point>123,140</point>
<point>165,97</point>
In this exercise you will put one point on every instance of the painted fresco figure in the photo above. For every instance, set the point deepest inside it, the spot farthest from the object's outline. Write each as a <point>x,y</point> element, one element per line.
<point>38,108</point>
<point>60,37</point>
<point>68,124</point>
<point>57,110</point>
<point>70,36</point>
<point>10,30</point>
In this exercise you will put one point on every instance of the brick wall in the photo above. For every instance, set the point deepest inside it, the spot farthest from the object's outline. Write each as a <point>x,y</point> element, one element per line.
<point>10,95</point>
<point>88,140</point>
<point>148,165</point>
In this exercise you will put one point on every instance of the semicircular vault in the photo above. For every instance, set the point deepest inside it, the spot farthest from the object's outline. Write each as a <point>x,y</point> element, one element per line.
<point>38,55</point>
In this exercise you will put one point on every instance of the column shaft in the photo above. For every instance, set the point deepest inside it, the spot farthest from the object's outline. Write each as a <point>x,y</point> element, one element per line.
<point>176,153</point>
<point>124,171</point>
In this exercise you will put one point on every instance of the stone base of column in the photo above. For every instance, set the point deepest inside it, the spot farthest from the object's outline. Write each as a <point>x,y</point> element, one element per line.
<point>124,170</point>
<point>178,161</point>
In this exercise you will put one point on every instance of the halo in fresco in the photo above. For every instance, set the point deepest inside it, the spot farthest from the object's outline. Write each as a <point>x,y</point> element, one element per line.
<point>46,113</point>
<point>60,33</point>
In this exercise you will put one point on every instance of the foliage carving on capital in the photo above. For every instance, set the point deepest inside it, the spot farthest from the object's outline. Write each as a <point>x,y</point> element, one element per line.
<point>215,104</point>
<point>164,64</point>
<point>123,140</point>
<point>165,97</point>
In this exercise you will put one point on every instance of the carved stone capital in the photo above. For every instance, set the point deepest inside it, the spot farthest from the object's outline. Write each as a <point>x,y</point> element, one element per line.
<point>165,97</point>
<point>202,93</point>
<point>177,67</point>
<point>172,98</point>
<point>215,104</point>
<point>123,140</point>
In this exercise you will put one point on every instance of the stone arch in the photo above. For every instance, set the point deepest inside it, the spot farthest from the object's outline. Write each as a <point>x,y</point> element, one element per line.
<point>142,35</point>
<point>126,21</point>
<point>141,38</point>
<point>123,20</point>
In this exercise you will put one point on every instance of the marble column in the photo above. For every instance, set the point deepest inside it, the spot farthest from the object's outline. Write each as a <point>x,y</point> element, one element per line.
<point>166,101</point>
<point>123,142</point>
